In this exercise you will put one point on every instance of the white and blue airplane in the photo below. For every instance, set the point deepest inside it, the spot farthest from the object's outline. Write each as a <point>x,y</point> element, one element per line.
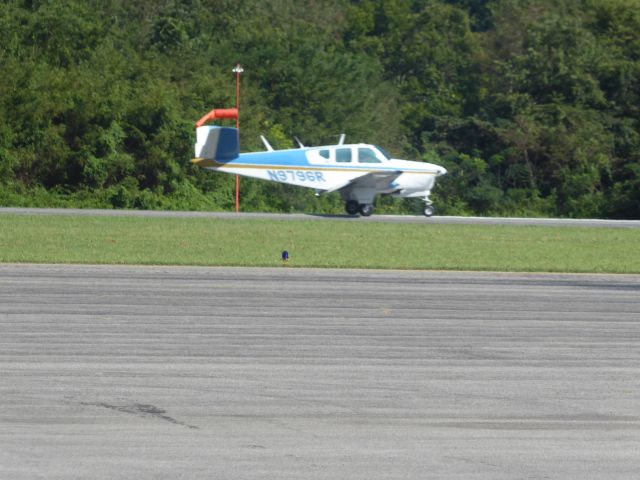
<point>357,171</point>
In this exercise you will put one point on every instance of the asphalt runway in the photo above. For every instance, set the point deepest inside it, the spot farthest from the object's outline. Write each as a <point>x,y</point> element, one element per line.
<point>421,219</point>
<point>113,372</point>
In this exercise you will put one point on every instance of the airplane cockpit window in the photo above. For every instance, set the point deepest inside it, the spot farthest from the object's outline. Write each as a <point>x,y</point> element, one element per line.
<point>343,155</point>
<point>325,154</point>
<point>367,155</point>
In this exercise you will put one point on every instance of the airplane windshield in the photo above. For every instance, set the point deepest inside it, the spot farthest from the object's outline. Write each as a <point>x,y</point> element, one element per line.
<point>384,152</point>
<point>368,155</point>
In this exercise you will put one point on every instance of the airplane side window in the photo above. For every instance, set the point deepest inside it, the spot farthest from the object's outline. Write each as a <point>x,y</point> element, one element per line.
<point>366,155</point>
<point>325,154</point>
<point>343,155</point>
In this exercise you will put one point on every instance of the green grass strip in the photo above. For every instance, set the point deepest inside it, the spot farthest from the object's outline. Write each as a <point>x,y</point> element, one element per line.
<point>337,244</point>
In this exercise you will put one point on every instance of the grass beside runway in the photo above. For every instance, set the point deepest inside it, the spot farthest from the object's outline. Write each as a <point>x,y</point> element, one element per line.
<point>335,244</point>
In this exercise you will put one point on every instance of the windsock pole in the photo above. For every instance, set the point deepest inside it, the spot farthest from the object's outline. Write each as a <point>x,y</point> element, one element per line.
<point>228,113</point>
<point>238,70</point>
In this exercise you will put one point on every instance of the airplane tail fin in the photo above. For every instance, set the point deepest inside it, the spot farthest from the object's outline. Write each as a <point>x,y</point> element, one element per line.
<point>216,143</point>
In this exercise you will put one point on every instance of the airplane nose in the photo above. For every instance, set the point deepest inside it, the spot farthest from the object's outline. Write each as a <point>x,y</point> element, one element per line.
<point>441,171</point>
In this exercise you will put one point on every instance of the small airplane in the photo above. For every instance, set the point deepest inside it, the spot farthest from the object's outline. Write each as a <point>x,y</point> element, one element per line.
<point>358,171</point>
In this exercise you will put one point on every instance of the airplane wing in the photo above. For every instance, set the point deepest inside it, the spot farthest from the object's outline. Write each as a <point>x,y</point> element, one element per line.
<point>378,180</point>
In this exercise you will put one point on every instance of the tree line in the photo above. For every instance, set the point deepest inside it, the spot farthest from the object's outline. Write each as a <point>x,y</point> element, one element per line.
<point>532,106</point>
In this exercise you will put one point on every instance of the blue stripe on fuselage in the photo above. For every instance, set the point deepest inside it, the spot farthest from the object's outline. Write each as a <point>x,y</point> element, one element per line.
<point>283,158</point>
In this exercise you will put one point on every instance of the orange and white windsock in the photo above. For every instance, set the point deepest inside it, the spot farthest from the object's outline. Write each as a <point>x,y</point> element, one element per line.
<point>218,114</point>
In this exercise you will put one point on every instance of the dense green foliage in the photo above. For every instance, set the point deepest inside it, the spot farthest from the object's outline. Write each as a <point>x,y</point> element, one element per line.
<point>532,106</point>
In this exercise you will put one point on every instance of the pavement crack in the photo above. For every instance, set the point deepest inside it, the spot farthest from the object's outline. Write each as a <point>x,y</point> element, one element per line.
<point>140,410</point>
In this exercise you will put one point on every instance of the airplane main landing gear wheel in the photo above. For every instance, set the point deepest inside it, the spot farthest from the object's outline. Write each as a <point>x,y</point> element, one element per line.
<point>352,207</point>
<point>366,209</point>
<point>429,210</point>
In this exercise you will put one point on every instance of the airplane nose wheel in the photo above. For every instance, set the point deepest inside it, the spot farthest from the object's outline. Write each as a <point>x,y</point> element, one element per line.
<point>428,207</point>
<point>428,211</point>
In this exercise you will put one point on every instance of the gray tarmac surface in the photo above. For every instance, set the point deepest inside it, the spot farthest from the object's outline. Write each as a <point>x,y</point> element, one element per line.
<point>555,222</point>
<point>164,373</point>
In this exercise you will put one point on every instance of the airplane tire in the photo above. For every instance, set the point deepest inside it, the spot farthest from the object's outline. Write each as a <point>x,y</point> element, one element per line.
<point>366,209</point>
<point>352,207</point>
<point>428,211</point>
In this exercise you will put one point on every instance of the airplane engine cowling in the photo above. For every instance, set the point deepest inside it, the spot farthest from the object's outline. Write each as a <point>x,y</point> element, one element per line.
<point>217,143</point>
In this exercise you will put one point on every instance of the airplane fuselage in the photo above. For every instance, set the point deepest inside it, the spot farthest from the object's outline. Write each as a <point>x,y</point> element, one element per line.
<point>357,171</point>
<point>322,168</point>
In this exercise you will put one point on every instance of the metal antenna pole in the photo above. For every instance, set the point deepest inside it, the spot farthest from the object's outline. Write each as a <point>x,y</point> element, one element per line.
<point>238,70</point>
